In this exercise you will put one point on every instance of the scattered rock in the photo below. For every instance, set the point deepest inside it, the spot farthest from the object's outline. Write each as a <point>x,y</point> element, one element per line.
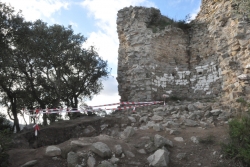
<point>91,161</point>
<point>189,122</point>
<point>159,159</point>
<point>160,141</point>
<point>118,150</point>
<point>194,139</point>
<point>101,149</point>
<point>157,118</point>
<point>215,112</point>
<point>129,154</point>
<point>52,151</point>
<point>179,139</point>
<point>129,131</point>
<point>158,127</point>
<point>132,119</point>
<point>72,159</point>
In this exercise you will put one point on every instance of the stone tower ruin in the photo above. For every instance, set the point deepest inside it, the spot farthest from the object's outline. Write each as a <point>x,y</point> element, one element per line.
<point>210,58</point>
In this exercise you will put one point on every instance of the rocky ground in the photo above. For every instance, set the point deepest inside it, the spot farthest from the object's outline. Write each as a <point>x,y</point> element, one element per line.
<point>177,135</point>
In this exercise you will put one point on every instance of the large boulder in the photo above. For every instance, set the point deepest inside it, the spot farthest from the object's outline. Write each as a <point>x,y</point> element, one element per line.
<point>101,149</point>
<point>52,151</point>
<point>159,159</point>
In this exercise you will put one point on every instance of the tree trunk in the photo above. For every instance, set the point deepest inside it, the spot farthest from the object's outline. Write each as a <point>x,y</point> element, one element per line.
<point>76,102</point>
<point>14,112</point>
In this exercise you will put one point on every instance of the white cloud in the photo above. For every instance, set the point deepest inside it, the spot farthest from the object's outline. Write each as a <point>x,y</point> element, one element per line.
<point>106,46</point>
<point>73,24</point>
<point>108,95</point>
<point>194,13</point>
<point>106,39</point>
<point>37,9</point>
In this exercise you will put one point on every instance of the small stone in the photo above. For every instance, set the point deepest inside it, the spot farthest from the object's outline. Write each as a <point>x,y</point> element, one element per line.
<point>215,112</point>
<point>141,151</point>
<point>129,154</point>
<point>179,139</point>
<point>118,150</point>
<point>91,161</point>
<point>194,139</point>
<point>174,132</point>
<point>132,119</point>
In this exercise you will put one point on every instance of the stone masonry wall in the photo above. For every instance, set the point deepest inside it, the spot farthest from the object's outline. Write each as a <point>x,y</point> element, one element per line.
<point>209,60</point>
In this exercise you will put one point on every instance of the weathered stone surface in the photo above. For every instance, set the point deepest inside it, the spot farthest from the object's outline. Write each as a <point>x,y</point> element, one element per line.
<point>159,159</point>
<point>198,64</point>
<point>101,149</point>
<point>52,151</point>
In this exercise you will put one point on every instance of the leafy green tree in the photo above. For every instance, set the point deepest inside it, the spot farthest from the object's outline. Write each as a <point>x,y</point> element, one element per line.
<point>12,28</point>
<point>43,65</point>
<point>57,68</point>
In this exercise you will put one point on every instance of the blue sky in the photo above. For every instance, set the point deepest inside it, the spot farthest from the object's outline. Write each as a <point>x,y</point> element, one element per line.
<point>96,20</point>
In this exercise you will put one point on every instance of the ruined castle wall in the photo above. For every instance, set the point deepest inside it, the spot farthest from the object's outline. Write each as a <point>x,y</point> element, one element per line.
<point>210,60</point>
<point>149,63</point>
<point>227,25</point>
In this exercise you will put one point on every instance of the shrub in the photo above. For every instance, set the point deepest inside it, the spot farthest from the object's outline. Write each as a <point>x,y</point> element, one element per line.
<point>210,139</point>
<point>163,21</point>
<point>5,140</point>
<point>239,146</point>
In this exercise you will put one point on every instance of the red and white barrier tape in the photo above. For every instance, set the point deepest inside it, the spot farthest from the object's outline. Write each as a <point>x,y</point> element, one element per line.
<point>127,107</point>
<point>38,112</point>
<point>89,108</point>
<point>125,103</point>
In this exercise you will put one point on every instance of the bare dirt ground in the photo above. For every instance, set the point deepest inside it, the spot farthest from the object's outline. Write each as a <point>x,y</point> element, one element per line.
<point>207,153</point>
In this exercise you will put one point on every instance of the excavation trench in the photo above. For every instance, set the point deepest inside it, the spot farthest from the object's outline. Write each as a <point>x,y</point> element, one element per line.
<point>88,126</point>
